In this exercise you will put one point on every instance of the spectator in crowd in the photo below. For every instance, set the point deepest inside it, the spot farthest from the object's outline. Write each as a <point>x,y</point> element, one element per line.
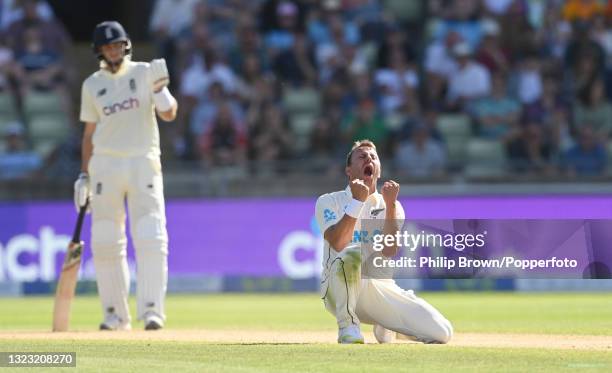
<point>225,143</point>
<point>10,12</point>
<point>529,79</point>
<point>582,10</point>
<point>54,36</point>
<point>587,157</point>
<point>324,140</point>
<point>248,44</point>
<point>471,80</point>
<point>366,124</point>
<point>287,21</point>
<point>270,138</point>
<point>329,21</point>
<point>296,65</point>
<point>490,53</point>
<point>397,82</point>
<point>421,155</point>
<point>529,151</point>
<point>16,161</point>
<point>463,17</point>
<point>39,69</point>
<point>498,113</point>
<point>7,67</point>
<point>208,108</point>
<point>170,18</point>
<point>593,108</point>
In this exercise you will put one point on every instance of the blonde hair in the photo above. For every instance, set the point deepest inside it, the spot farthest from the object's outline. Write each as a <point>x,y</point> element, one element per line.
<point>365,143</point>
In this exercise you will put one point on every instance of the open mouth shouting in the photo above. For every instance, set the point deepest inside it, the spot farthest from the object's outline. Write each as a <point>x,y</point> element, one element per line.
<point>368,171</point>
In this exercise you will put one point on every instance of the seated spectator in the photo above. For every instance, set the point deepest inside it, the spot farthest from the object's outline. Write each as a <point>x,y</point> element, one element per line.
<point>587,157</point>
<point>396,82</point>
<point>471,80</point>
<point>582,10</point>
<point>498,113</point>
<point>366,124</point>
<point>529,80</point>
<point>323,139</point>
<point>421,155</point>
<point>54,36</point>
<point>38,68</point>
<point>207,109</point>
<point>16,162</point>
<point>296,66</point>
<point>463,18</point>
<point>168,20</point>
<point>248,44</point>
<point>7,66</point>
<point>270,138</point>
<point>594,109</point>
<point>10,12</point>
<point>224,144</point>
<point>320,28</point>
<point>490,53</point>
<point>288,23</point>
<point>529,151</point>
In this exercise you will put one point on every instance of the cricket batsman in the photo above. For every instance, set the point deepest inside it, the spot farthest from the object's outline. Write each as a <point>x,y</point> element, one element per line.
<point>121,161</point>
<point>351,299</point>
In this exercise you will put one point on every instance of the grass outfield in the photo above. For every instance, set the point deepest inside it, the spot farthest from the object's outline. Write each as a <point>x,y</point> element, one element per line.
<point>184,345</point>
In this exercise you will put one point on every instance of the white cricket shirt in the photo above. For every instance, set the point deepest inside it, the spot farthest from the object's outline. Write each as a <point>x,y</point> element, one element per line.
<point>122,106</point>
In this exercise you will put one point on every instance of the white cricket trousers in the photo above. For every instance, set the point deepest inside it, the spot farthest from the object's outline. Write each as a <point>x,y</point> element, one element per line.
<point>353,300</point>
<point>139,181</point>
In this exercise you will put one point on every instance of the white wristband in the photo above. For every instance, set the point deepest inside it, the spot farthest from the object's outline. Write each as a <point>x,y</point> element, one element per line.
<point>353,209</point>
<point>163,100</point>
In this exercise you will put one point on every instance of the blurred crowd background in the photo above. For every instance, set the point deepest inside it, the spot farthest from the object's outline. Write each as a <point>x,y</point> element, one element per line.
<point>477,90</point>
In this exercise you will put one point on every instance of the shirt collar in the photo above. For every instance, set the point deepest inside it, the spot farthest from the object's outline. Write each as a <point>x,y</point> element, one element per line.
<point>122,70</point>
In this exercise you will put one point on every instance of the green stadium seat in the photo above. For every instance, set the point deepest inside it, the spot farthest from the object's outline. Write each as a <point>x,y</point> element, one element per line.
<point>8,109</point>
<point>301,126</point>
<point>485,158</point>
<point>451,125</point>
<point>42,104</point>
<point>301,101</point>
<point>52,127</point>
<point>456,130</point>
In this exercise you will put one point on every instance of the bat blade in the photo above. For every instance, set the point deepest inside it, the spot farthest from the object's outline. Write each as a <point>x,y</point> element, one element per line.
<point>66,287</point>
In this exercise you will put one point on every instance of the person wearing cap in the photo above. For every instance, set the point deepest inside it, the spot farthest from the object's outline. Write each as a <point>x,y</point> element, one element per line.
<point>121,161</point>
<point>470,81</point>
<point>16,162</point>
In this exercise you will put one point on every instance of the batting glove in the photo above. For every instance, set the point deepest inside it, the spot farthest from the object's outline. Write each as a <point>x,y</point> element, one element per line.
<point>159,74</point>
<point>82,192</point>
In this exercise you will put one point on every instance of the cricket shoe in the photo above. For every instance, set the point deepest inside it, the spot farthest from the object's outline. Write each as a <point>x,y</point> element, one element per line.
<point>383,335</point>
<point>153,321</point>
<point>113,322</point>
<point>350,335</point>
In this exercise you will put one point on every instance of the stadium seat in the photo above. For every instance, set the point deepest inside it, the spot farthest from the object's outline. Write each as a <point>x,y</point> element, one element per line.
<point>485,158</point>
<point>301,101</point>
<point>451,125</point>
<point>609,153</point>
<point>42,104</point>
<point>456,130</point>
<point>8,110</point>
<point>48,128</point>
<point>301,126</point>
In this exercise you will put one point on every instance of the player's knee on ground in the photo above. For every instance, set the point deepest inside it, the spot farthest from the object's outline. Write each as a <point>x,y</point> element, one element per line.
<point>108,239</point>
<point>150,234</point>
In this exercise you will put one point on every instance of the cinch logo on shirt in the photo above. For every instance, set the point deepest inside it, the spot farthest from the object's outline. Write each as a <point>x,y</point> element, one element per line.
<point>128,104</point>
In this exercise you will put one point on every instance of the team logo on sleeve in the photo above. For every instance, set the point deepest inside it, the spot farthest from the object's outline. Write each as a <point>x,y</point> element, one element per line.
<point>328,215</point>
<point>132,85</point>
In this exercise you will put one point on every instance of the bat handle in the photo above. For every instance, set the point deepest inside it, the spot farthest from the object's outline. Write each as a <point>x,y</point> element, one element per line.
<point>76,236</point>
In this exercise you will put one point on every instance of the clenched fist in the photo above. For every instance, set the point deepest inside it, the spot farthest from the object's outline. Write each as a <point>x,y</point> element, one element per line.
<point>159,74</point>
<point>389,191</point>
<point>359,190</point>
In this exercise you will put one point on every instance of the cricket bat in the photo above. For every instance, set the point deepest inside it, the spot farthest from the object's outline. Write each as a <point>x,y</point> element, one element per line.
<point>68,277</point>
